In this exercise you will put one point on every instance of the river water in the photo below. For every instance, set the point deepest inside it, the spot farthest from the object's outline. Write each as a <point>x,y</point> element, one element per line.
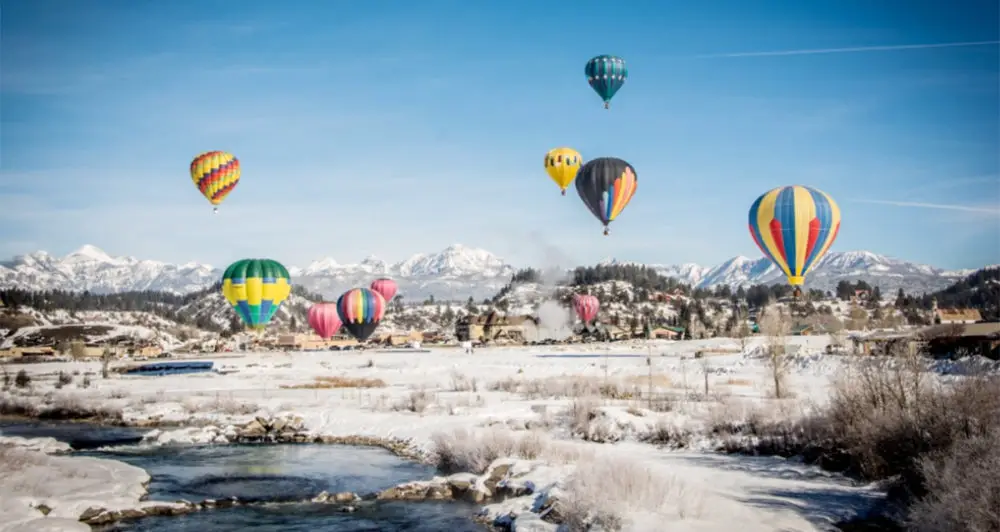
<point>274,475</point>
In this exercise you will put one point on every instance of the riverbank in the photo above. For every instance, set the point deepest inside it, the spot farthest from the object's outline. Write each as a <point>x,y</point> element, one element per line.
<point>545,411</point>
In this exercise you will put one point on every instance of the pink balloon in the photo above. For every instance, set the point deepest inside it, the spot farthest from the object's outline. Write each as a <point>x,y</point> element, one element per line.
<point>323,318</point>
<point>385,288</point>
<point>586,307</point>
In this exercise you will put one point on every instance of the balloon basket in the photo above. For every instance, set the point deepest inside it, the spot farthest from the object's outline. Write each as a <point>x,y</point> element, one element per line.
<point>797,293</point>
<point>607,231</point>
<point>564,192</point>
<point>215,210</point>
<point>607,105</point>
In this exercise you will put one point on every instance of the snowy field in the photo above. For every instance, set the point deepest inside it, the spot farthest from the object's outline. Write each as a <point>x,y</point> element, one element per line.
<point>586,409</point>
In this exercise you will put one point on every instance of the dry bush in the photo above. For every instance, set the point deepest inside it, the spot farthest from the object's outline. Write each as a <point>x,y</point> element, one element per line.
<point>572,386</point>
<point>461,383</point>
<point>473,452</point>
<point>776,325</point>
<point>64,407</point>
<point>667,434</point>
<point>606,491</point>
<point>117,393</point>
<point>582,412</point>
<point>325,383</point>
<point>417,401</point>
<point>733,381</point>
<point>963,488</point>
<point>218,404</point>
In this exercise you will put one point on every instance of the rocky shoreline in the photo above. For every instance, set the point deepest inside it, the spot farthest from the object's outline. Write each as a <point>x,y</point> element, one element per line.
<point>493,486</point>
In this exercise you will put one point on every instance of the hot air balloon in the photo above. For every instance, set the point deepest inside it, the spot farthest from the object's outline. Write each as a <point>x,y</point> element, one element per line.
<point>562,165</point>
<point>794,226</point>
<point>324,319</point>
<point>586,307</point>
<point>361,310</point>
<point>216,174</point>
<point>606,185</point>
<point>606,74</point>
<point>385,287</point>
<point>256,288</point>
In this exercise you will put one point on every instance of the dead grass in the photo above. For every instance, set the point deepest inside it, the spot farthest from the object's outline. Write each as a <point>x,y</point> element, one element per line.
<point>58,407</point>
<point>607,491</point>
<point>733,381</point>
<point>659,381</point>
<point>937,442</point>
<point>461,383</point>
<point>326,383</point>
<point>219,404</point>
<point>417,401</point>
<point>462,451</point>
<point>568,387</point>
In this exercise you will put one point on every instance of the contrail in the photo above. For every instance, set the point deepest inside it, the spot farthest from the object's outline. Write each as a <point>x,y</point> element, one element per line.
<point>966,208</point>
<point>852,50</point>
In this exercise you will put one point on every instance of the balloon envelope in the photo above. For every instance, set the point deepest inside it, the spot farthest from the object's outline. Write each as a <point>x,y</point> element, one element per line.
<point>385,287</point>
<point>794,226</point>
<point>606,74</point>
<point>562,164</point>
<point>216,174</point>
<point>324,319</point>
<point>586,307</point>
<point>361,310</point>
<point>606,185</point>
<point>256,288</point>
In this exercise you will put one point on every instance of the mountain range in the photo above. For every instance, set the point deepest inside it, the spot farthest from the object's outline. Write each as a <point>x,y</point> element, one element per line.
<point>455,273</point>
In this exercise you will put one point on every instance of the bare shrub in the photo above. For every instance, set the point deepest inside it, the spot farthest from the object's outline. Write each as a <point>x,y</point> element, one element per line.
<point>76,407</point>
<point>473,452</point>
<point>666,434</point>
<point>582,412</point>
<point>572,386</point>
<point>64,378</point>
<point>963,488</point>
<point>18,405</point>
<point>417,401</point>
<point>325,383</point>
<point>461,383</point>
<point>117,393</point>
<point>22,379</point>
<point>606,491</point>
<point>776,325</point>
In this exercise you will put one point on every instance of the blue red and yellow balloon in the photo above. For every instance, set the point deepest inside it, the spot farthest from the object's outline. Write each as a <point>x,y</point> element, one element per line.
<point>794,226</point>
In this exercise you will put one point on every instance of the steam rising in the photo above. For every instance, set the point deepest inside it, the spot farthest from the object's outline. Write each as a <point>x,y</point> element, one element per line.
<point>554,321</point>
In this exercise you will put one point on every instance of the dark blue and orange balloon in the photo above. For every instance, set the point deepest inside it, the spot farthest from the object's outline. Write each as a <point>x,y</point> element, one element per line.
<point>794,226</point>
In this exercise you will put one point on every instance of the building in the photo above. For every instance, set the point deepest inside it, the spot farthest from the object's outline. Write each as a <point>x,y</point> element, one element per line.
<point>310,341</point>
<point>956,340</point>
<point>667,333</point>
<point>497,327</point>
<point>949,316</point>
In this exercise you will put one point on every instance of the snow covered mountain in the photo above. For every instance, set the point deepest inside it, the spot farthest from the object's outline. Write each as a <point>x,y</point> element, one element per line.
<point>888,273</point>
<point>454,273</point>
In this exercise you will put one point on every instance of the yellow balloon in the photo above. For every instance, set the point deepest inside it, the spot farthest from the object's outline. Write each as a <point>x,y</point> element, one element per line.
<point>562,164</point>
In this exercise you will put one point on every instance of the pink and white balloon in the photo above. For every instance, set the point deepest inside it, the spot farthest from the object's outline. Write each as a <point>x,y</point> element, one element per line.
<point>586,307</point>
<point>385,288</point>
<point>323,318</point>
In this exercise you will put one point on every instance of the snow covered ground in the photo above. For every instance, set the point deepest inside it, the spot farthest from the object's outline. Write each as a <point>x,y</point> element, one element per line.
<point>563,394</point>
<point>42,492</point>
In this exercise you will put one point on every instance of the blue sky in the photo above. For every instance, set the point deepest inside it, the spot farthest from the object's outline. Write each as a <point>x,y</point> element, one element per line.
<point>391,128</point>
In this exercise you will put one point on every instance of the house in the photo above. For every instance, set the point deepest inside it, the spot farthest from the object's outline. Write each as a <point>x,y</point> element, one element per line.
<point>860,296</point>
<point>665,297</point>
<point>497,327</point>
<point>310,341</point>
<point>956,340</point>
<point>946,316</point>
<point>887,343</point>
<point>667,333</point>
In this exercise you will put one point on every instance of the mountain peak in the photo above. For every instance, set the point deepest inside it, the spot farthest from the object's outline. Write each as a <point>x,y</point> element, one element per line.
<point>90,253</point>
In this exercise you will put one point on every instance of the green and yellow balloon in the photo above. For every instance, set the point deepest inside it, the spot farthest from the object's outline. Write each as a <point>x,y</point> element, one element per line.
<point>256,288</point>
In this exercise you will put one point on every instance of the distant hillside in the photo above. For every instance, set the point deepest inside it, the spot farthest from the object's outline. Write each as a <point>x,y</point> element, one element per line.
<point>980,290</point>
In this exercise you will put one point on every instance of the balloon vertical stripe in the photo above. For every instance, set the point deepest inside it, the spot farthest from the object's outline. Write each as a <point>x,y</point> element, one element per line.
<point>361,310</point>
<point>794,226</point>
